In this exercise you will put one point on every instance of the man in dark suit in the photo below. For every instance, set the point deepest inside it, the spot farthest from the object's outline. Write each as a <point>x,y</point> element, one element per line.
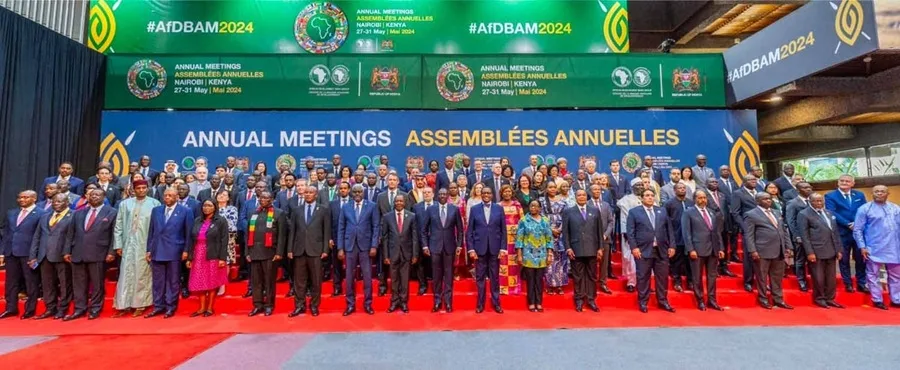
<point>286,197</point>
<point>168,238</point>
<point>334,264</point>
<point>442,241</point>
<point>478,175</point>
<point>400,248</point>
<point>105,182</point>
<point>717,201</point>
<point>581,181</point>
<point>246,201</point>
<point>385,203</point>
<point>49,191</point>
<point>651,238</point>
<point>187,201</point>
<point>370,187</point>
<point>785,182</point>
<point>448,174</point>
<point>822,246</point>
<point>51,242</point>
<point>701,228</point>
<point>169,183</point>
<point>792,213</point>
<point>423,268</point>
<point>309,246</point>
<point>358,233</point>
<point>486,242</point>
<point>96,179</point>
<point>760,181</point>
<point>229,185</point>
<point>743,200</point>
<point>65,170</point>
<point>495,181</point>
<point>701,172</point>
<point>618,182</point>
<point>678,264</point>
<point>328,192</point>
<point>843,203</point>
<point>607,219</point>
<point>582,233</point>
<point>768,244</point>
<point>267,234</point>
<point>335,166</point>
<point>18,230</point>
<point>215,183</point>
<point>655,173</point>
<point>144,169</point>
<point>92,247</point>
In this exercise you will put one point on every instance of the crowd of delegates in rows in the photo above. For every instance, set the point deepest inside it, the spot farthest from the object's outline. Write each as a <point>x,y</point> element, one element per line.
<point>528,230</point>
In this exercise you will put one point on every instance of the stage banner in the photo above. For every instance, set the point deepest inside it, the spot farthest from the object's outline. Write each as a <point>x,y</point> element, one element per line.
<point>673,137</point>
<point>599,81</point>
<point>360,26</point>
<point>263,82</point>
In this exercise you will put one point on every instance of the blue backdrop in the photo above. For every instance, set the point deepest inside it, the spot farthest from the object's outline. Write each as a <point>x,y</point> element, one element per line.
<point>673,137</point>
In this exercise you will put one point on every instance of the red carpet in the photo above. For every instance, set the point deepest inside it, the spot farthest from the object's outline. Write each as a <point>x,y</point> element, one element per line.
<point>131,351</point>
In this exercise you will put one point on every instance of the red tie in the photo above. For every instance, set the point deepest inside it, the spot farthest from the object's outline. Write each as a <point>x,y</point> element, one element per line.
<point>399,221</point>
<point>706,219</point>
<point>249,192</point>
<point>91,219</point>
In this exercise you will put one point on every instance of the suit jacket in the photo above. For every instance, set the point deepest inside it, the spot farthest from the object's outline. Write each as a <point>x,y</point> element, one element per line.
<point>152,175</point>
<point>371,193</point>
<point>701,175</point>
<point>53,242</point>
<point>216,238</point>
<point>584,236</point>
<point>489,182</point>
<point>336,170</point>
<point>76,185</point>
<point>169,239</point>
<point>443,181</point>
<point>577,185</point>
<point>761,184</point>
<point>486,236</point>
<point>783,184</point>
<point>723,186</point>
<point>421,213</point>
<point>245,208</point>
<point>113,193</point>
<point>310,238</point>
<point>741,203</point>
<point>441,237</point>
<point>763,237</point>
<point>607,219</point>
<point>256,246</point>
<point>384,204</point>
<point>94,244</point>
<point>283,202</point>
<point>674,210</point>
<point>358,233</point>
<point>705,240</point>
<point>789,195</point>
<point>17,239</point>
<point>193,205</point>
<point>45,205</point>
<point>324,192</point>
<point>640,232</point>
<point>792,211</point>
<point>335,211</point>
<point>399,245</point>
<point>844,212</point>
<point>722,208</point>
<point>473,179</point>
<point>668,192</point>
<point>619,188</point>
<point>819,238</point>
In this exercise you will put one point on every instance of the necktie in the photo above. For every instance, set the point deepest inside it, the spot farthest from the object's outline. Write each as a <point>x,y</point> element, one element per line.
<point>91,219</point>
<point>487,213</point>
<point>55,219</point>
<point>249,194</point>
<point>168,214</point>
<point>849,200</point>
<point>21,217</point>
<point>290,194</point>
<point>806,201</point>
<point>771,217</point>
<point>47,206</point>
<point>400,221</point>
<point>331,194</point>
<point>443,215</point>
<point>727,183</point>
<point>583,213</point>
<point>715,197</point>
<point>616,177</point>
<point>309,212</point>
<point>706,218</point>
<point>358,209</point>
<point>382,183</point>
<point>477,178</point>
<point>824,218</point>
<point>683,205</point>
<point>597,203</point>
<point>391,198</point>
<point>450,175</point>
<point>650,216</point>
<point>144,172</point>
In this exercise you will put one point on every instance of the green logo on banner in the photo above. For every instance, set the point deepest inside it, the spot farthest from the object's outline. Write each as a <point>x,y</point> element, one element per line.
<point>615,28</point>
<point>321,28</point>
<point>455,81</point>
<point>146,79</point>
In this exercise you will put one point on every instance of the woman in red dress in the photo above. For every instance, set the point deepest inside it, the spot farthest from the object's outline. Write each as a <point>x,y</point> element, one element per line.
<point>207,256</point>
<point>431,177</point>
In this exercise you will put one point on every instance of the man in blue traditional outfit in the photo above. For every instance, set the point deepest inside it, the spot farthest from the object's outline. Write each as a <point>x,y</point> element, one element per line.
<point>877,232</point>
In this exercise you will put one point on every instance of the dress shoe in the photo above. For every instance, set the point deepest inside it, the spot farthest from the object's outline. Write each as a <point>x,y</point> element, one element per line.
<point>690,286</point>
<point>45,315</point>
<point>248,294</point>
<point>154,313</point>
<point>727,272</point>
<point>392,308</point>
<point>701,306</point>
<point>748,288</point>
<point>579,307</point>
<point>611,276</point>
<point>836,305</point>
<point>678,288</point>
<point>862,289</point>
<point>138,312</point>
<point>382,290</point>
<point>480,309</point>
<point>879,305</point>
<point>308,292</point>
<point>268,311</point>
<point>803,287</point>
<point>73,316</point>
<point>643,308</point>
<point>349,311</point>
<point>539,309</point>
<point>404,308</point>
<point>422,290</point>
<point>369,310</point>
<point>765,305</point>
<point>59,315</point>
<point>735,259</point>
<point>255,311</point>
<point>93,315</point>
<point>297,312</point>
<point>27,315</point>
<point>169,314</point>
<point>314,311</point>
<point>497,309</point>
<point>337,293</point>
<point>290,293</point>
<point>208,313</point>
<point>666,307</point>
<point>849,288</point>
<point>895,305</point>
<point>605,289</point>
<point>629,289</point>
<point>195,314</point>
<point>436,308</point>
<point>185,293</point>
<point>821,304</point>
<point>593,306</point>
<point>714,306</point>
<point>784,306</point>
<point>532,309</point>
<point>448,309</point>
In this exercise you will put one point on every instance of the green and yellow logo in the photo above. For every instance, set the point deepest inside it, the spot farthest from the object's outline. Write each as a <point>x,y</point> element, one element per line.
<point>849,20</point>
<point>112,150</point>
<point>615,28</point>
<point>102,23</point>
<point>744,155</point>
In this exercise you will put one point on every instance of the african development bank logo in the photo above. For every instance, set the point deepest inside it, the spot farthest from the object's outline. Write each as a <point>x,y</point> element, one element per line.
<point>744,155</point>
<point>321,28</point>
<point>455,81</point>
<point>615,27</point>
<point>112,150</point>
<point>146,79</point>
<point>631,83</point>
<point>102,23</point>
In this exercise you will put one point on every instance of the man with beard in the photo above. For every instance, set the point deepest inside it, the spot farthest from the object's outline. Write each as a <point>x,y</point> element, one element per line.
<point>132,228</point>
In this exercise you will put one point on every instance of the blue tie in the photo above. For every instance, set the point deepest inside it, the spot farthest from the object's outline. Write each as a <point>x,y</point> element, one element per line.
<point>309,211</point>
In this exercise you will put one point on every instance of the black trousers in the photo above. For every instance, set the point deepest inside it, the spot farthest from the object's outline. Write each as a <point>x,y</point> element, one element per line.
<point>707,264</point>
<point>442,278</point>
<point>488,267</point>
<point>605,265</point>
<point>824,281</point>
<point>534,284</point>
<point>769,271</point>
<point>399,282</point>
<point>17,269</point>
<point>750,270</point>
<point>584,271</point>
<point>56,282</point>
<point>800,262</point>
<point>288,266</point>
<point>307,273</point>
<point>729,246</point>
<point>660,269</point>
<point>262,276</point>
<point>679,265</point>
<point>88,281</point>
<point>423,269</point>
<point>243,265</point>
<point>337,269</point>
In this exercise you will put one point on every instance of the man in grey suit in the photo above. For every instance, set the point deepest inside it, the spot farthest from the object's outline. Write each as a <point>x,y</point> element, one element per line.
<point>52,241</point>
<point>309,245</point>
<point>742,201</point>
<point>668,191</point>
<point>768,244</point>
<point>607,219</point>
<point>702,174</point>
<point>792,211</point>
<point>532,166</point>
<point>701,228</point>
<point>822,245</point>
<point>582,232</point>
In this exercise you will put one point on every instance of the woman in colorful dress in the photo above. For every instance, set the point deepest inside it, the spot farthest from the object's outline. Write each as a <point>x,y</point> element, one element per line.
<point>509,270</point>
<point>207,255</point>
<point>553,205</point>
<point>524,192</point>
<point>534,251</point>
<point>431,177</point>
<point>460,263</point>
<point>230,213</point>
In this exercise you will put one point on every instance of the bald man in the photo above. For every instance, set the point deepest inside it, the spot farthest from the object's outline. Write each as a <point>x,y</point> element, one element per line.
<point>18,228</point>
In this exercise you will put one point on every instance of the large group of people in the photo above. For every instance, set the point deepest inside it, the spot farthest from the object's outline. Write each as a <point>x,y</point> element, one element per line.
<point>525,231</point>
